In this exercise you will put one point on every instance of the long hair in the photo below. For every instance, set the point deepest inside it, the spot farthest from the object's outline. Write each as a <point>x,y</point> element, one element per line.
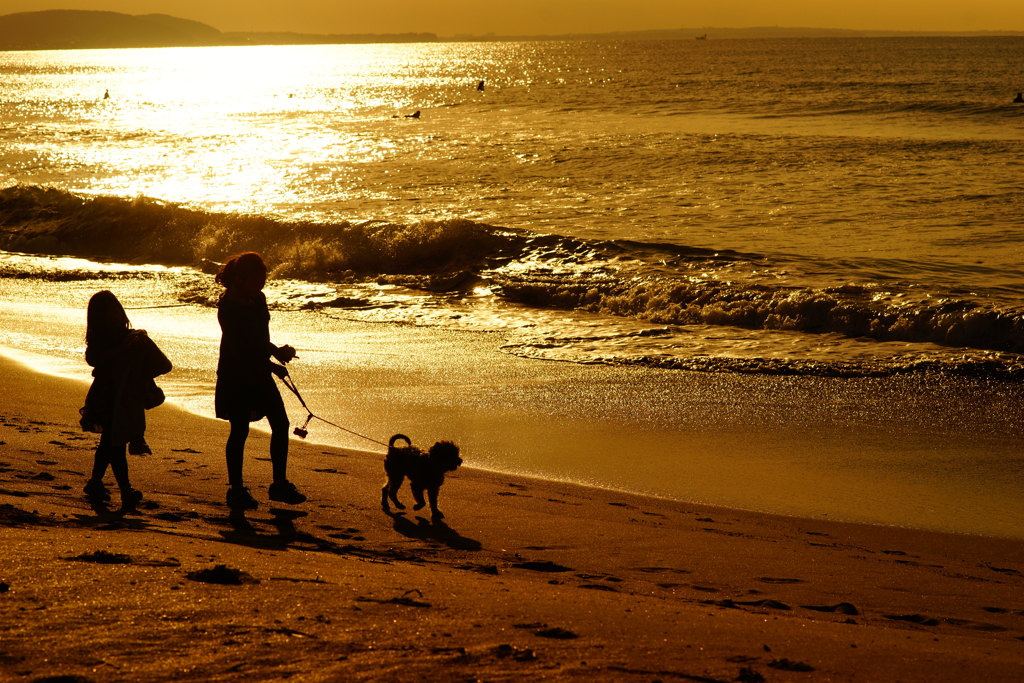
<point>238,267</point>
<point>106,321</point>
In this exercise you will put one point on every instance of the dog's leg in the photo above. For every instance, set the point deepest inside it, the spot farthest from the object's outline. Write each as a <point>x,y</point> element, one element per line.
<point>391,491</point>
<point>384,497</point>
<point>432,494</point>
<point>417,493</point>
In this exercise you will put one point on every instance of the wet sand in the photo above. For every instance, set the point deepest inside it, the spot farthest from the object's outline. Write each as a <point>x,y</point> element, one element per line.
<point>526,580</point>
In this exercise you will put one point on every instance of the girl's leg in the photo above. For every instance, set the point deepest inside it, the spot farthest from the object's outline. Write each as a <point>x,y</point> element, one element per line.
<point>278,419</point>
<point>281,490</point>
<point>102,457</point>
<point>239,497</point>
<point>235,452</point>
<point>94,488</point>
<point>119,464</point>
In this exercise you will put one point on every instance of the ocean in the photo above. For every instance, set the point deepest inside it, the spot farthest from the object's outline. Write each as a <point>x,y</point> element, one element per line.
<point>769,274</point>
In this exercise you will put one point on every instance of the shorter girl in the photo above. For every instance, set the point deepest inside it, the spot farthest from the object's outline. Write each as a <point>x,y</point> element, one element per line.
<point>124,362</point>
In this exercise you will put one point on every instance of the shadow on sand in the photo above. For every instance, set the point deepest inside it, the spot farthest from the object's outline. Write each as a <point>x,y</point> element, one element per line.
<point>244,533</point>
<point>110,518</point>
<point>425,530</point>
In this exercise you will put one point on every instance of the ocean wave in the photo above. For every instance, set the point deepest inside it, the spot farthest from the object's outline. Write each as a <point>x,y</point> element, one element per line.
<point>850,310</point>
<point>659,283</point>
<point>44,220</point>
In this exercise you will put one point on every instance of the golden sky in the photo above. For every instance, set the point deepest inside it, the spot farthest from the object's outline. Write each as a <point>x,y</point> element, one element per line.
<point>512,17</point>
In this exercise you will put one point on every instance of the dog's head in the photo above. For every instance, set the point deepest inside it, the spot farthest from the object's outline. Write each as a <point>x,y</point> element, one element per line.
<point>446,455</point>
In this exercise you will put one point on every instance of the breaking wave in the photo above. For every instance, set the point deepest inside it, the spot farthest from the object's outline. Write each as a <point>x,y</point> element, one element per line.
<point>660,283</point>
<point>849,310</point>
<point>44,220</point>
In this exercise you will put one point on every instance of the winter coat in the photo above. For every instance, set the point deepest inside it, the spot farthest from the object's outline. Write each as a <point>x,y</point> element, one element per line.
<point>123,387</point>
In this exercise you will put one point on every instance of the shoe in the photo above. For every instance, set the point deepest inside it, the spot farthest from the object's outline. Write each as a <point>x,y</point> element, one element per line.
<point>95,490</point>
<point>139,448</point>
<point>239,499</point>
<point>285,492</point>
<point>130,498</point>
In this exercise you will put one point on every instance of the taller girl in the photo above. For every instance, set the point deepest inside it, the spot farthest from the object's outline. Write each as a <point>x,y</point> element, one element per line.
<point>246,391</point>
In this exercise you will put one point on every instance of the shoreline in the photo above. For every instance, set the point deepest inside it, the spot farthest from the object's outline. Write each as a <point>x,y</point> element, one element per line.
<point>526,578</point>
<point>927,452</point>
<point>25,358</point>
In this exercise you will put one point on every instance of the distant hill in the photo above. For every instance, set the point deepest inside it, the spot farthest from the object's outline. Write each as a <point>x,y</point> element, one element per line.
<point>80,29</point>
<point>720,34</point>
<point>733,33</point>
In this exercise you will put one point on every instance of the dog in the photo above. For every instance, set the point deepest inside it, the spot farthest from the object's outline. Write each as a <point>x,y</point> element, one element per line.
<point>425,470</point>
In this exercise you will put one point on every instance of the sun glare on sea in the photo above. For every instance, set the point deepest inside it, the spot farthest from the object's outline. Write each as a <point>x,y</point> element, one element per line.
<point>321,132</point>
<point>235,128</point>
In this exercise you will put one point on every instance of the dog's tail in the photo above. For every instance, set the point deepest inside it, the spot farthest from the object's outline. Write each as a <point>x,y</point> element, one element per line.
<point>396,437</point>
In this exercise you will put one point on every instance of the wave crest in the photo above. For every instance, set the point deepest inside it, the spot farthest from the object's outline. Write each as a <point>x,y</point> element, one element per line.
<point>847,310</point>
<point>48,221</point>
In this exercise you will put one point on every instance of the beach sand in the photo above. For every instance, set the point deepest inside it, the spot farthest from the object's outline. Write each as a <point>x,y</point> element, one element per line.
<point>526,579</point>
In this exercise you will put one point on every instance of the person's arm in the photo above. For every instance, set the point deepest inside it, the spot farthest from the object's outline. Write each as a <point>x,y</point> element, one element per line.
<point>284,354</point>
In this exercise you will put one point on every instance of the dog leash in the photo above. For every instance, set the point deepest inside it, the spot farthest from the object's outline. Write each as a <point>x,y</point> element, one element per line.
<point>301,432</point>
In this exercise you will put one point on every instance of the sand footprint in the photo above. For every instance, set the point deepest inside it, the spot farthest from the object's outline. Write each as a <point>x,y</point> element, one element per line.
<point>787,665</point>
<point>403,600</point>
<point>976,625</point>
<point>488,569</point>
<point>913,618</point>
<point>221,574</point>
<point>520,655</point>
<point>772,604</point>
<point>841,608</point>
<point>546,566</point>
<point>101,557</point>
<point>1002,570</point>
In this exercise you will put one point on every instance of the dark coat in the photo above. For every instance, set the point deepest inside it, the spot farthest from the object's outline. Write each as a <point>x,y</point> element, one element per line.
<point>123,387</point>
<point>245,384</point>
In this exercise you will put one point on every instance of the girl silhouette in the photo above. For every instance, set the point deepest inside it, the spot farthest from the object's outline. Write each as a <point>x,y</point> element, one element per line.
<point>246,391</point>
<point>124,362</point>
